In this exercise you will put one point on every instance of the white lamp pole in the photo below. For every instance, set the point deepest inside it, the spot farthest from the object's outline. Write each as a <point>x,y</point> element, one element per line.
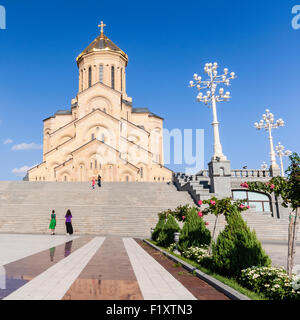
<point>267,123</point>
<point>279,150</point>
<point>211,84</point>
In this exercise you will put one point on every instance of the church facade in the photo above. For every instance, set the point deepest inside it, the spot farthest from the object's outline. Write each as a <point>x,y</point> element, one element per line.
<point>102,133</point>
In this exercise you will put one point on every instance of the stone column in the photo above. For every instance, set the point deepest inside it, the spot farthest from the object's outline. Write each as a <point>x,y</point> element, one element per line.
<point>220,177</point>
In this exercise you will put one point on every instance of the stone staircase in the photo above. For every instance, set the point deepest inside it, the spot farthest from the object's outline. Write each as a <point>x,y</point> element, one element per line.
<point>117,208</point>
<point>197,185</point>
<point>265,226</point>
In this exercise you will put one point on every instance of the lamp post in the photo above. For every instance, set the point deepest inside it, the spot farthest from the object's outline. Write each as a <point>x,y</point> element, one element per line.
<point>211,98</point>
<point>279,150</point>
<point>176,239</point>
<point>267,123</point>
<point>264,166</point>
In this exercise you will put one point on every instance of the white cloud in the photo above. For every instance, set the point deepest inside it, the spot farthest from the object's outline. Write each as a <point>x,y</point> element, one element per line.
<point>20,172</point>
<point>7,141</point>
<point>26,146</point>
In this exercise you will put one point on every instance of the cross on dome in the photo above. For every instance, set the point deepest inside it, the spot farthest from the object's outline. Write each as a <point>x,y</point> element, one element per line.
<point>102,25</point>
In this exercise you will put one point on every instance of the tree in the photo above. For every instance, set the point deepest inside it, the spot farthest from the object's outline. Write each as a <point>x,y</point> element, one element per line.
<point>289,190</point>
<point>194,232</point>
<point>166,235</point>
<point>223,206</point>
<point>158,228</point>
<point>237,247</point>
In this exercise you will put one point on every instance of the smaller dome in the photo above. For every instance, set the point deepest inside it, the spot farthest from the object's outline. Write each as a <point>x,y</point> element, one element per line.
<point>101,43</point>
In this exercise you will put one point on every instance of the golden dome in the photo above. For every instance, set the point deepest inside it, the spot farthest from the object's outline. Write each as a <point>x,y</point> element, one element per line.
<point>101,43</point>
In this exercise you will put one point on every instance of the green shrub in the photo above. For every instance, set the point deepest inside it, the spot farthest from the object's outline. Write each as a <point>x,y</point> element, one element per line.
<point>237,247</point>
<point>158,227</point>
<point>194,232</point>
<point>166,236</point>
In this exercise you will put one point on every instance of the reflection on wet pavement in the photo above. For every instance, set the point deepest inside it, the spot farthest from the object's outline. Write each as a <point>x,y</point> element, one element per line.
<point>108,276</point>
<point>20,272</point>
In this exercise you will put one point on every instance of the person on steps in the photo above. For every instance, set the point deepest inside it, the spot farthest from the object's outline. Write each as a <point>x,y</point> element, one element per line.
<point>52,222</point>
<point>99,180</point>
<point>69,227</point>
<point>93,183</point>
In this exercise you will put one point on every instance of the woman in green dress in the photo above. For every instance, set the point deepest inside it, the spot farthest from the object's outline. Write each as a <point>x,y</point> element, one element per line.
<point>52,222</point>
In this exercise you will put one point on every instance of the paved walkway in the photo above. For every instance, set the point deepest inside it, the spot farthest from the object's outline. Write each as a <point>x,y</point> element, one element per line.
<point>98,268</point>
<point>37,267</point>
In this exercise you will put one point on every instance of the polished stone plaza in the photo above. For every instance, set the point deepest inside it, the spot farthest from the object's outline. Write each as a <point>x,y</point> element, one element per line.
<point>68,267</point>
<point>59,267</point>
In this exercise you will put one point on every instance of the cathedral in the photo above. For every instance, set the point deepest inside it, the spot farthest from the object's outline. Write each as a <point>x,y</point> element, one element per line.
<point>102,133</point>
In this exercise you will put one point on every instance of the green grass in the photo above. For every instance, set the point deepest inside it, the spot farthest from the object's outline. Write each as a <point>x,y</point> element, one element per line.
<point>231,282</point>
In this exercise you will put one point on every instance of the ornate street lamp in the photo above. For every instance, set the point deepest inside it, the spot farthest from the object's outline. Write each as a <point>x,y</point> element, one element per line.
<point>211,97</point>
<point>267,123</point>
<point>279,150</point>
<point>264,166</point>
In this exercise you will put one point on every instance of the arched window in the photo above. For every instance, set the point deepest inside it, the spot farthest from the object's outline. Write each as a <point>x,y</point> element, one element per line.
<point>142,172</point>
<point>112,77</point>
<point>95,164</point>
<point>101,73</point>
<point>90,77</point>
<point>260,201</point>
<point>65,178</point>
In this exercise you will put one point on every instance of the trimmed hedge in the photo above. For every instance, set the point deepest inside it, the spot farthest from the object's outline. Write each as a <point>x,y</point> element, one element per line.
<point>158,228</point>
<point>166,235</point>
<point>237,247</point>
<point>194,232</point>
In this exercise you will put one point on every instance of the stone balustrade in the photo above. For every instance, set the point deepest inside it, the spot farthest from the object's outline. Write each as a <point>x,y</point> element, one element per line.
<point>250,173</point>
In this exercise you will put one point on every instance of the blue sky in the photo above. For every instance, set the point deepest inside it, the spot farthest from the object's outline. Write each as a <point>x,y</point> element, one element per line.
<point>167,42</point>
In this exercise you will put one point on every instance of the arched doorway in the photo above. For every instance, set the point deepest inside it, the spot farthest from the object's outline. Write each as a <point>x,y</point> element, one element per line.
<point>259,201</point>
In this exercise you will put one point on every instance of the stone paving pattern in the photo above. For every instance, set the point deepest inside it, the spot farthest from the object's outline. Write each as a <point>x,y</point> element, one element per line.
<point>87,268</point>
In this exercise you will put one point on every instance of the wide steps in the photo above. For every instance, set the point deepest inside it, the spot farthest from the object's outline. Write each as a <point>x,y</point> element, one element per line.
<point>117,208</point>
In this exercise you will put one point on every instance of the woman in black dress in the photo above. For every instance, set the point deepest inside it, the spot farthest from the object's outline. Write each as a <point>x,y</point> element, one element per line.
<point>99,180</point>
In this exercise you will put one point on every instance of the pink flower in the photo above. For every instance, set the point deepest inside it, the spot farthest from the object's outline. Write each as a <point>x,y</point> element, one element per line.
<point>213,202</point>
<point>272,186</point>
<point>244,185</point>
<point>206,223</point>
<point>200,202</point>
<point>183,217</point>
<point>242,206</point>
<point>248,207</point>
<point>267,183</point>
<point>200,214</point>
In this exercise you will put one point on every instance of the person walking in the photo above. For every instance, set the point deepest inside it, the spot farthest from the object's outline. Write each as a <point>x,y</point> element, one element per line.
<point>93,183</point>
<point>69,227</point>
<point>99,180</point>
<point>52,224</point>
